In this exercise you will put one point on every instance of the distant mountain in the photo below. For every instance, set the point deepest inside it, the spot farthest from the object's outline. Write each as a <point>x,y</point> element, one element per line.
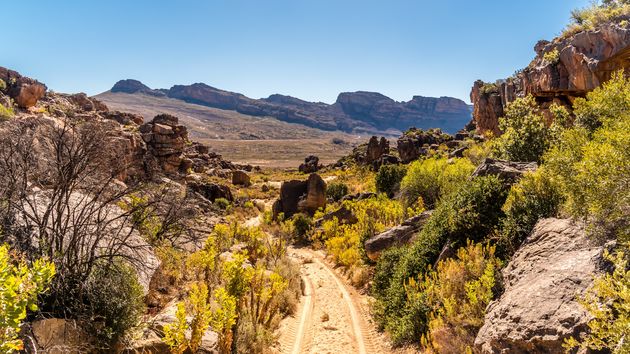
<point>353,112</point>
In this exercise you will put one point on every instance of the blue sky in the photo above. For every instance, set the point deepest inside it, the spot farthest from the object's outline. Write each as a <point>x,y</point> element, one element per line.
<point>312,49</point>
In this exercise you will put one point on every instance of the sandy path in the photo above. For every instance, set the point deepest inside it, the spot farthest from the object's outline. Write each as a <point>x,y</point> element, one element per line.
<point>331,318</point>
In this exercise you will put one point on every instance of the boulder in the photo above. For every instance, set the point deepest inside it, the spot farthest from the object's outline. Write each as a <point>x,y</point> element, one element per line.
<point>410,144</point>
<point>508,171</point>
<point>58,336</point>
<point>240,178</point>
<point>538,309</point>
<point>211,191</point>
<point>23,90</point>
<point>166,140</point>
<point>300,196</point>
<point>396,236</point>
<point>310,165</point>
<point>359,196</point>
<point>344,215</point>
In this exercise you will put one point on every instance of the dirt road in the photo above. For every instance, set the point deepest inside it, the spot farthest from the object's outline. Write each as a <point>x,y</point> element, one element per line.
<point>332,317</point>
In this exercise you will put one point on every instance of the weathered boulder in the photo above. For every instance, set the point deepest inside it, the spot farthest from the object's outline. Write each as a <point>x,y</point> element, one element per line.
<point>124,118</point>
<point>396,236</point>
<point>359,196</point>
<point>211,191</point>
<point>344,215</point>
<point>538,308</point>
<point>508,171</point>
<point>240,178</point>
<point>310,165</point>
<point>57,336</point>
<point>300,196</point>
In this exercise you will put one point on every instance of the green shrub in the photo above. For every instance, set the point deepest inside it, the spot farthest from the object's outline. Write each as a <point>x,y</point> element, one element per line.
<point>457,293</point>
<point>336,191</point>
<point>6,113</point>
<point>593,166</point>
<point>20,286</point>
<point>302,225</point>
<point>116,299</point>
<point>537,195</point>
<point>552,56</point>
<point>433,178</point>
<point>594,15</point>
<point>525,136</point>
<point>608,302</point>
<point>388,179</point>
<point>472,212</point>
<point>3,85</point>
<point>222,203</point>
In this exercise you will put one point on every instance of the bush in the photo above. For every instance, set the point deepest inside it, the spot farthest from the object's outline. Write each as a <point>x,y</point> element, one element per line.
<point>114,296</point>
<point>552,56</point>
<point>594,15</point>
<point>525,136</point>
<point>388,179</point>
<point>302,225</point>
<point>607,301</point>
<point>432,179</point>
<point>6,113</point>
<point>537,195</point>
<point>457,293</point>
<point>222,203</point>
<point>20,286</point>
<point>336,191</point>
<point>473,212</point>
<point>593,166</point>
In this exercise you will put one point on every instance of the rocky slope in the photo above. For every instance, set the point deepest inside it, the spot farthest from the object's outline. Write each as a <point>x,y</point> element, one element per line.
<point>563,69</point>
<point>355,112</point>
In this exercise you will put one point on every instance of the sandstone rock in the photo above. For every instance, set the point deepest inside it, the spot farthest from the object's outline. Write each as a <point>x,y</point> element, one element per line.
<point>508,171</point>
<point>410,144</point>
<point>87,104</point>
<point>125,118</point>
<point>23,90</point>
<point>310,165</point>
<point>359,196</point>
<point>376,148</point>
<point>166,140</point>
<point>585,60</point>
<point>396,236</point>
<point>240,178</point>
<point>58,336</point>
<point>344,215</point>
<point>300,196</point>
<point>211,191</point>
<point>538,308</point>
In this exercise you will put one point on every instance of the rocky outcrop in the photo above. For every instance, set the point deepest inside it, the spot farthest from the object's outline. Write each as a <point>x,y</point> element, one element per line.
<point>376,148</point>
<point>211,191</point>
<point>538,308</point>
<point>300,196</point>
<point>416,142</point>
<point>310,165</point>
<point>396,236</point>
<point>343,215</point>
<point>166,139</point>
<point>563,69</point>
<point>508,171</point>
<point>57,336</point>
<point>23,90</point>
<point>352,112</point>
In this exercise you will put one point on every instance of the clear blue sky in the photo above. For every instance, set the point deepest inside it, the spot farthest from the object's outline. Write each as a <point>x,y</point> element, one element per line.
<point>312,49</point>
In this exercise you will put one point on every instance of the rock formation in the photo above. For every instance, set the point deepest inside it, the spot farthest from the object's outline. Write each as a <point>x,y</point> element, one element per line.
<point>396,236</point>
<point>416,142</point>
<point>301,196</point>
<point>240,178</point>
<point>538,308</point>
<point>310,165</point>
<point>573,66</point>
<point>23,90</point>
<point>166,139</point>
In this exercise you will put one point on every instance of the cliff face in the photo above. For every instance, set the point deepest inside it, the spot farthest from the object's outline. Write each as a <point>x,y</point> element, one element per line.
<point>352,112</point>
<point>562,70</point>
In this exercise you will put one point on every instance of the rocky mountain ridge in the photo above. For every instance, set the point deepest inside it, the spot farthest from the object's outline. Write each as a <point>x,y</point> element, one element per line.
<point>355,112</point>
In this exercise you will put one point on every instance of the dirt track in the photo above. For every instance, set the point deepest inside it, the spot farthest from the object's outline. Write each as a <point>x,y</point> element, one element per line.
<point>332,317</point>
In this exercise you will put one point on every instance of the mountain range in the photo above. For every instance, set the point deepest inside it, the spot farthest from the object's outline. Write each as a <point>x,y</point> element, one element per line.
<point>358,112</point>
